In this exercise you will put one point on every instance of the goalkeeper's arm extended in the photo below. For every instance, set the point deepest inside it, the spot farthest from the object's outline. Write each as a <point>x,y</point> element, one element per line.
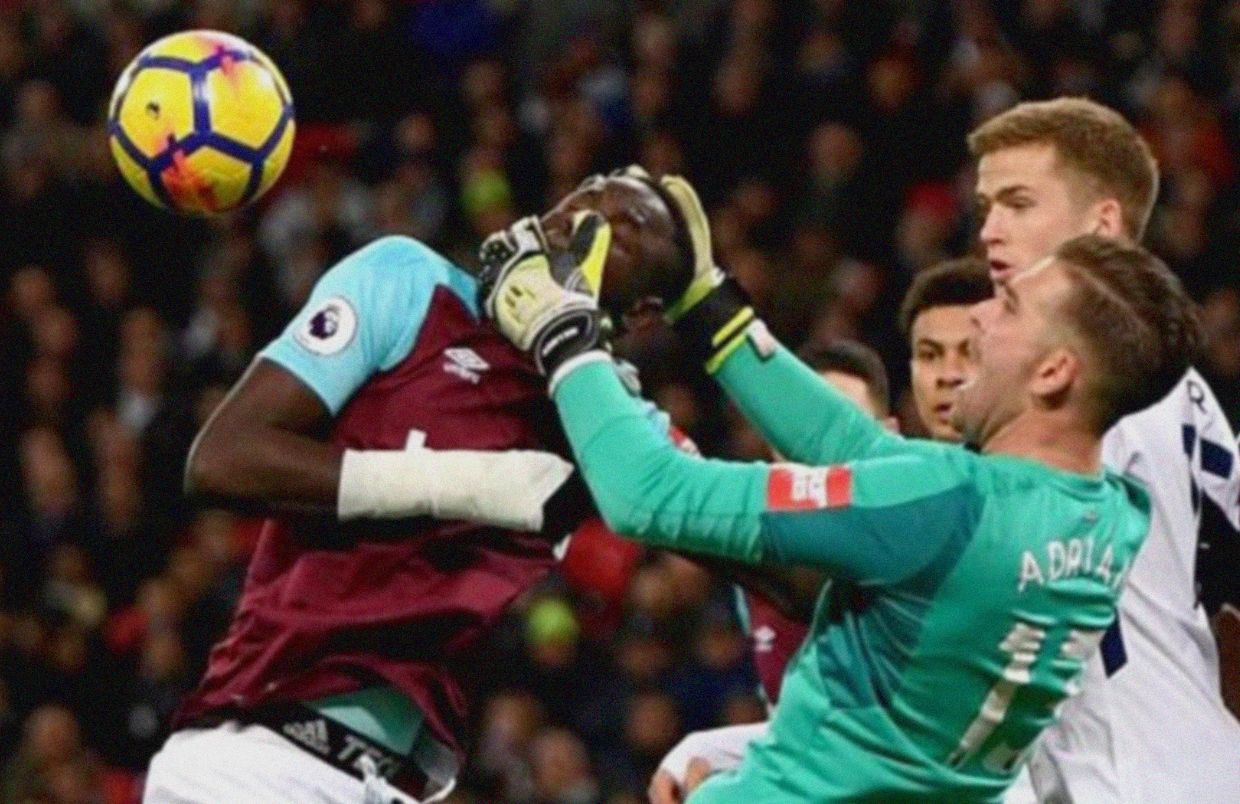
<point>714,313</point>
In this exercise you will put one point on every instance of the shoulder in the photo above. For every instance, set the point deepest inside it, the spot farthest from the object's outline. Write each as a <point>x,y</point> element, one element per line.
<point>398,270</point>
<point>948,463</point>
<point>398,257</point>
<point>1008,475</point>
<point>1133,491</point>
<point>920,469</point>
<point>1167,435</point>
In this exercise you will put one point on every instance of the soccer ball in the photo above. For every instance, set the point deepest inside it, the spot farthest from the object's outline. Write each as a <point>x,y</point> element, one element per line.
<point>201,122</point>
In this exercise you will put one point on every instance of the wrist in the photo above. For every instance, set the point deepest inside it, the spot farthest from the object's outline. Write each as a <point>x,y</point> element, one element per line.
<point>564,369</point>
<point>716,325</point>
<point>572,332</point>
<point>698,288</point>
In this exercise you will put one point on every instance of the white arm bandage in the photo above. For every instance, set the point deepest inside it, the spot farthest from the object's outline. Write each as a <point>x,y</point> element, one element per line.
<point>506,489</point>
<point>722,748</point>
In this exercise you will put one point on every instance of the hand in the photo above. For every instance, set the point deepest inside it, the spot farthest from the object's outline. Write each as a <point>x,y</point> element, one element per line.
<point>665,789</point>
<point>699,770</point>
<point>714,312</point>
<point>706,275</point>
<point>550,320</point>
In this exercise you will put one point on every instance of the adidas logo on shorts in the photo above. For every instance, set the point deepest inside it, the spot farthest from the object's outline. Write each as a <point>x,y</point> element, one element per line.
<point>312,734</point>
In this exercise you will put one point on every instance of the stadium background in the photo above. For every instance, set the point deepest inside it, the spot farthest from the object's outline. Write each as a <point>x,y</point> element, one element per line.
<point>826,136</point>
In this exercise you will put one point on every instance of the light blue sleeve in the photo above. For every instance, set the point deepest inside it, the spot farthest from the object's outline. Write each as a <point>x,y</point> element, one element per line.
<point>364,315</point>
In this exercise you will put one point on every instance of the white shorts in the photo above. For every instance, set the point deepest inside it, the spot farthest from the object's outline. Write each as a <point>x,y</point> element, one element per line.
<point>248,764</point>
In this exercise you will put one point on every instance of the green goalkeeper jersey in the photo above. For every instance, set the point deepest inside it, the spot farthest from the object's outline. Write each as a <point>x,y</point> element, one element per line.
<point>968,589</point>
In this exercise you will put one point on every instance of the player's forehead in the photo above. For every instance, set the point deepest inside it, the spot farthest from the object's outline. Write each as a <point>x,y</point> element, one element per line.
<point>1042,287</point>
<point>619,197</point>
<point>943,324</point>
<point>1032,166</point>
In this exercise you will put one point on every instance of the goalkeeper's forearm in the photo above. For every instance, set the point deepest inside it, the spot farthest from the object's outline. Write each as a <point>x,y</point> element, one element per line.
<point>795,409</point>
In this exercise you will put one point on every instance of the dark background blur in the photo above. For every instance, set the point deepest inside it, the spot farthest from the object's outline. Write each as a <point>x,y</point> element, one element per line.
<point>827,139</point>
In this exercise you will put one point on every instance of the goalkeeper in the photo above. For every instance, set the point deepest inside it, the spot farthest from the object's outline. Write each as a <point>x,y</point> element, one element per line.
<point>969,585</point>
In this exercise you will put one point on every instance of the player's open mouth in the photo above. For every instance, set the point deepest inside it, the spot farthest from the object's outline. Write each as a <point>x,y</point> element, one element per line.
<point>999,270</point>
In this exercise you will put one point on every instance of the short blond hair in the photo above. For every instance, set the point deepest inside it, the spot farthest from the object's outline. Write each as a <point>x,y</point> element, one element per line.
<point>1090,139</point>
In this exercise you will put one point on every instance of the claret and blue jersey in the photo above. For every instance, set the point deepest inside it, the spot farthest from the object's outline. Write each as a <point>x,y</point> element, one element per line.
<point>392,344</point>
<point>967,590</point>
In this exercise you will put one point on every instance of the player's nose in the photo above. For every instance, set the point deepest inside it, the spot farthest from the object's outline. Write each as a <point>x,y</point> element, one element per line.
<point>991,232</point>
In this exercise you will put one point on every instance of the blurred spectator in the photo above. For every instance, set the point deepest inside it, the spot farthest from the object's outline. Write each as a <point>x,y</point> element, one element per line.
<point>1220,314</point>
<point>51,763</point>
<point>501,766</point>
<point>561,770</point>
<point>651,727</point>
<point>331,211</point>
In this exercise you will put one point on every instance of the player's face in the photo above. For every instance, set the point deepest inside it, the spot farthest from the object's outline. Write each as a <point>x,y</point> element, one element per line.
<point>1029,205</point>
<point>861,394</point>
<point>853,387</point>
<point>942,362</point>
<point>642,244</point>
<point>1012,333</point>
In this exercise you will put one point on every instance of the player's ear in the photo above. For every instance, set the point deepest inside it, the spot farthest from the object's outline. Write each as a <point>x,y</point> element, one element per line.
<point>1108,219</point>
<point>1055,375</point>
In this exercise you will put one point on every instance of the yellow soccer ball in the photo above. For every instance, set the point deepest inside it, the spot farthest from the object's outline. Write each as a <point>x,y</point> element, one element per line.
<point>201,122</point>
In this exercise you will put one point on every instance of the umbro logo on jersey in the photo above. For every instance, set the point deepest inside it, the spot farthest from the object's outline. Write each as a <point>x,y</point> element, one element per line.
<point>312,734</point>
<point>464,363</point>
<point>764,639</point>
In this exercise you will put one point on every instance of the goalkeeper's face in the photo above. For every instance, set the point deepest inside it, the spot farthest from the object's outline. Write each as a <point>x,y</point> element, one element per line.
<point>1023,356</point>
<point>643,262</point>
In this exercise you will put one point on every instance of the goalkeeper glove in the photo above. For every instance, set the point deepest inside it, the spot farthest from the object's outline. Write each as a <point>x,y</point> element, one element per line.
<point>551,319</point>
<point>714,312</point>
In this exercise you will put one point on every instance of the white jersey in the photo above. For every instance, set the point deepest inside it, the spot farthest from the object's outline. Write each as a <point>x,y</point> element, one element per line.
<point>1149,724</point>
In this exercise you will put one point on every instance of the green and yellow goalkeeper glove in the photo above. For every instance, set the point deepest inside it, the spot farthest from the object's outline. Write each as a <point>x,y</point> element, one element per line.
<point>551,318</point>
<point>714,312</point>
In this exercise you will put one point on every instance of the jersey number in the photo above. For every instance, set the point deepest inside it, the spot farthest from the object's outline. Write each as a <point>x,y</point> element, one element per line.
<point>1022,646</point>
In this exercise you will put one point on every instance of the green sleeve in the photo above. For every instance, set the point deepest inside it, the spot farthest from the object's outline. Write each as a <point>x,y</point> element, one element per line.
<point>873,521</point>
<point>797,411</point>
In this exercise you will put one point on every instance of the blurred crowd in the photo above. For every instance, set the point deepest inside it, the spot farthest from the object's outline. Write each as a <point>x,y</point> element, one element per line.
<point>827,140</point>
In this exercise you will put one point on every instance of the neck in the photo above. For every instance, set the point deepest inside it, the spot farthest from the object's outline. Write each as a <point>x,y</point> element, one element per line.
<point>1050,439</point>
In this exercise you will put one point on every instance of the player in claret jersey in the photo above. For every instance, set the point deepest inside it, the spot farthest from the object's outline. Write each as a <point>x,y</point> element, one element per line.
<point>411,463</point>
